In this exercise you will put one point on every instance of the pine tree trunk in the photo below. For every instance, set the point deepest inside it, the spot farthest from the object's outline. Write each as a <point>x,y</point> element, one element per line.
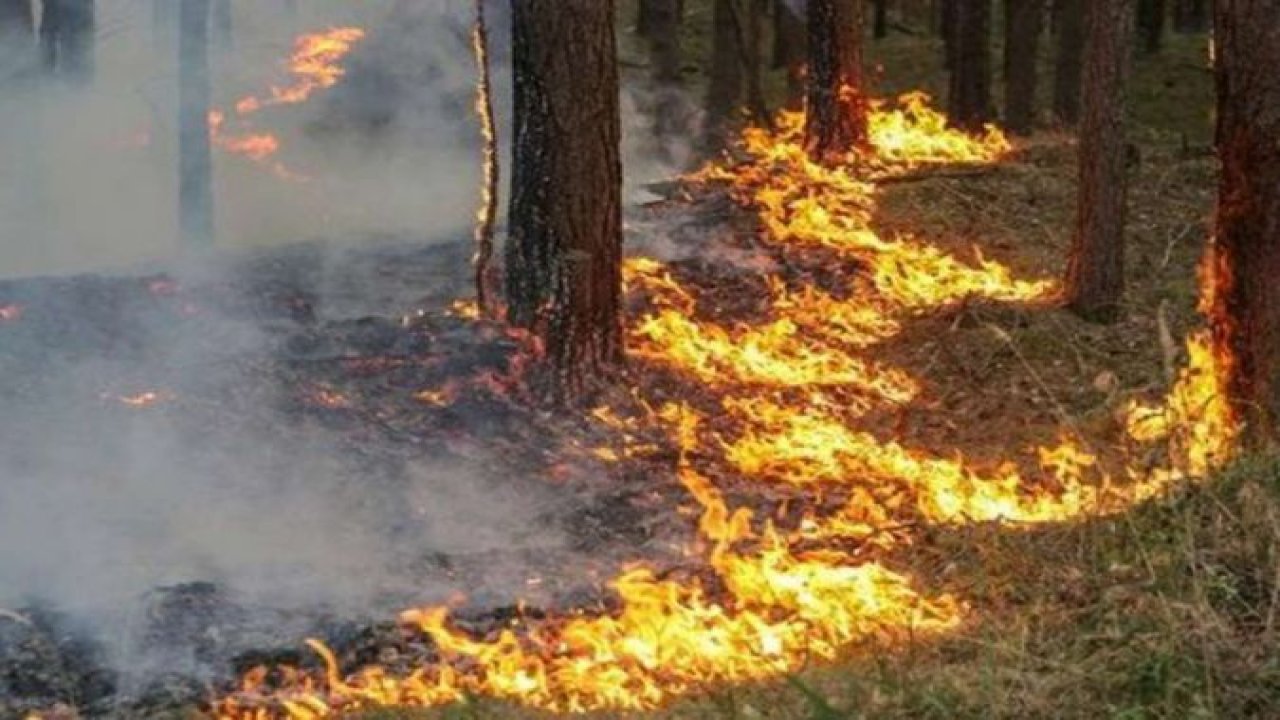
<point>751,21</point>
<point>222,25</point>
<point>17,39</point>
<point>1192,16</point>
<point>644,18</point>
<point>948,29</point>
<point>664,46</point>
<point>969,100</point>
<point>1024,23</point>
<point>880,21</point>
<point>790,51</point>
<point>67,33</point>
<point>1095,272</point>
<point>1069,21</point>
<point>195,163</point>
<point>1151,25</point>
<point>836,122</point>
<point>1246,304</point>
<point>724,87</point>
<point>563,256</point>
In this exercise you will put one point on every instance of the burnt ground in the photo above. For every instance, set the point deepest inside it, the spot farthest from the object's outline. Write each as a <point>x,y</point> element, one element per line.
<point>261,427</point>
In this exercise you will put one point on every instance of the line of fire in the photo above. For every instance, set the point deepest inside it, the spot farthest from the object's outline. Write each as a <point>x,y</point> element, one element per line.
<point>675,358</point>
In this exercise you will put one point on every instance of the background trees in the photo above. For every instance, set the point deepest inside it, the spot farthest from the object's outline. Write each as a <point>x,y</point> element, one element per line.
<point>67,30</point>
<point>969,103</point>
<point>195,162</point>
<point>1024,22</point>
<point>563,255</point>
<point>1095,271</point>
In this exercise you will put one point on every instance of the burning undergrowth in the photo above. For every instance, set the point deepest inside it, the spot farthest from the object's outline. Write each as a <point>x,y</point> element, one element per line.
<point>752,504</point>
<point>201,472</point>
<point>776,401</point>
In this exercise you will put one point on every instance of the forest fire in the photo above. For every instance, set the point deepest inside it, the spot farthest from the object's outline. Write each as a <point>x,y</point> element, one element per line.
<point>782,401</point>
<point>10,313</point>
<point>315,65</point>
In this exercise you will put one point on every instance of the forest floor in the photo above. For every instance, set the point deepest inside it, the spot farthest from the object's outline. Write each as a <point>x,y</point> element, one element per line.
<point>1169,611</point>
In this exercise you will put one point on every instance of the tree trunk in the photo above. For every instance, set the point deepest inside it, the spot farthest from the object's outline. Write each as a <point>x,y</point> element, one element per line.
<point>1069,21</point>
<point>969,101</point>
<point>195,163</point>
<point>1095,272</point>
<point>724,87</point>
<point>222,25</point>
<point>836,122</point>
<point>67,30</point>
<point>1151,25</point>
<point>948,29</point>
<point>1192,16</point>
<point>790,51</point>
<point>664,43</point>
<point>1245,307</point>
<point>644,18</point>
<point>563,256</point>
<point>880,20</point>
<point>1024,22</point>
<point>751,22</point>
<point>17,38</point>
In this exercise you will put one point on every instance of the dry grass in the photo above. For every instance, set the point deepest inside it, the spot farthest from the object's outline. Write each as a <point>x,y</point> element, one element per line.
<point>1172,611</point>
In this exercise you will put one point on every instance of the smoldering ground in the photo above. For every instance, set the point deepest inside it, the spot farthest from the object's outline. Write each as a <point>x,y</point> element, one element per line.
<point>155,432</point>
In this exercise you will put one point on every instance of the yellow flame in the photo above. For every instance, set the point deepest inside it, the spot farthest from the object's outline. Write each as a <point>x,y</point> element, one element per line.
<point>794,395</point>
<point>315,64</point>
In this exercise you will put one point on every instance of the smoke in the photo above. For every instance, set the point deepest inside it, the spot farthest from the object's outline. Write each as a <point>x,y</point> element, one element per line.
<point>101,502</point>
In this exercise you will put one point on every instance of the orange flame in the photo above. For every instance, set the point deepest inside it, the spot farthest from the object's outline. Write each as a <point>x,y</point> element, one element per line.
<point>794,393</point>
<point>315,64</point>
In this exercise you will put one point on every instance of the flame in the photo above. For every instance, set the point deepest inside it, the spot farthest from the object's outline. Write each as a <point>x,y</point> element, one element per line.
<point>10,313</point>
<point>794,400</point>
<point>143,399</point>
<point>315,64</point>
<point>487,213</point>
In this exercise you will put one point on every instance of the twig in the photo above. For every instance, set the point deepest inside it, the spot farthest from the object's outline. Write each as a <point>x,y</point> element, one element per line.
<point>1168,347</point>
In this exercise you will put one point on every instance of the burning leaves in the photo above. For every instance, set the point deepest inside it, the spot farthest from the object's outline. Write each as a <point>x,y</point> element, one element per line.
<point>792,402</point>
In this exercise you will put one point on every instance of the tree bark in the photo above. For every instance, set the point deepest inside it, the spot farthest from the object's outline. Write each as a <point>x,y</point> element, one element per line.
<point>880,19</point>
<point>1151,15</point>
<point>664,44</point>
<point>751,22</point>
<point>948,29</point>
<point>790,51</point>
<point>836,122</point>
<point>17,38</point>
<point>563,256</point>
<point>195,162</point>
<point>223,30</point>
<point>1095,272</point>
<point>1024,23</point>
<point>67,30</point>
<point>969,100</point>
<point>724,87</point>
<point>1245,302</point>
<point>1191,16</point>
<point>1069,21</point>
